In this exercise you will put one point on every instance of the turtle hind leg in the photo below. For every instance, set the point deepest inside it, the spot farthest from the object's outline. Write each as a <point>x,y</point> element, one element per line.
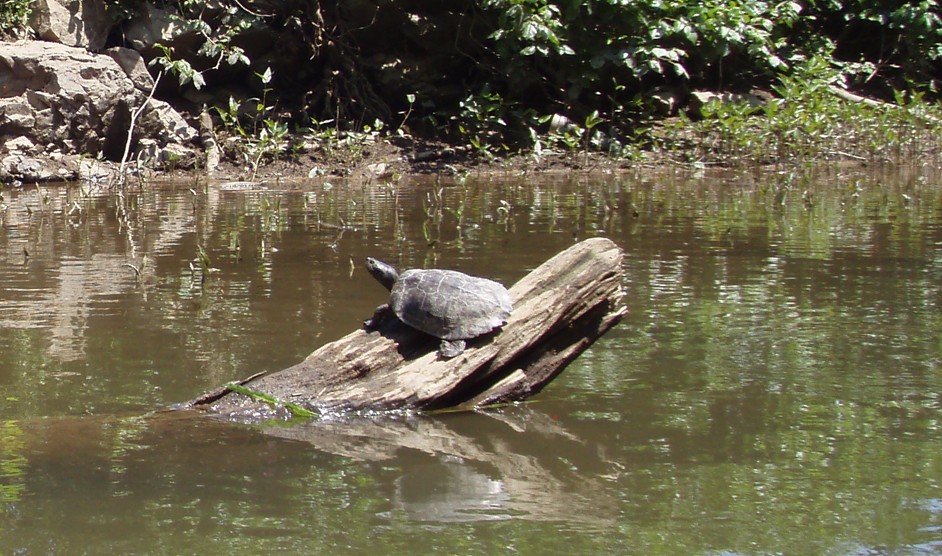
<point>450,348</point>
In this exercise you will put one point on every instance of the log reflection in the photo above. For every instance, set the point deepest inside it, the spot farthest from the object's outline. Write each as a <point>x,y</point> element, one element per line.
<point>499,464</point>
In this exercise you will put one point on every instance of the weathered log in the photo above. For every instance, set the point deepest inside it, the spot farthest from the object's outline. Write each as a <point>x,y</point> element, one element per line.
<point>560,309</point>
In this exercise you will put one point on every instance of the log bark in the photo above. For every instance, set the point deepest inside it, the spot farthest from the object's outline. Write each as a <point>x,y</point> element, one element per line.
<point>560,309</point>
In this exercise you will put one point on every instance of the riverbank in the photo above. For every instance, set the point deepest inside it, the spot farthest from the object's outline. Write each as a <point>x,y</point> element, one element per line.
<point>806,120</point>
<point>116,90</point>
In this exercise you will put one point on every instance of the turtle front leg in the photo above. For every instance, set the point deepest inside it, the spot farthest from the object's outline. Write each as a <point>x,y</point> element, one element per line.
<point>382,313</point>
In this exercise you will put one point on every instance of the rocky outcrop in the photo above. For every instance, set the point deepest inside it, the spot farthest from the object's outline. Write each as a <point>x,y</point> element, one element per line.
<point>57,100</point>
<point>80,23</point>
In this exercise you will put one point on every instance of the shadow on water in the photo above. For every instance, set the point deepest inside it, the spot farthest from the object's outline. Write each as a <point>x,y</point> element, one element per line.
<point>774,388</point>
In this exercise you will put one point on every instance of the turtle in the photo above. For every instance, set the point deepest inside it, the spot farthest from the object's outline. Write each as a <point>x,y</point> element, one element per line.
<point>446,304</point>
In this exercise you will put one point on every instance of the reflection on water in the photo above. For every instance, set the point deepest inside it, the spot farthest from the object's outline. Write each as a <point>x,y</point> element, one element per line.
<point>774,388</point>
<point>487,468</point>
<point>450,491</point>
<point>169,479</point>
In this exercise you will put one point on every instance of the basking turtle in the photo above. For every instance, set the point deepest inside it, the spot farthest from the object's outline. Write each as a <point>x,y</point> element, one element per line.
<point>443,303</point>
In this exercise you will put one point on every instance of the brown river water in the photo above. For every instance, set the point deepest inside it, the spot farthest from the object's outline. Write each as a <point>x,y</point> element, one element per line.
<point>775,387</point>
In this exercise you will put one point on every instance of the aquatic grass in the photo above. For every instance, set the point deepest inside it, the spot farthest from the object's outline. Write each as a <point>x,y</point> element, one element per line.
<point>272,401</point>
<point>12,461</point>
<point>138,270</point>
<point>200,268</point>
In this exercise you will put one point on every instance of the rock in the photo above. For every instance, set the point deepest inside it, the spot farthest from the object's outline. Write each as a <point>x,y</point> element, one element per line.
<point>22,167</point>
<point>16,118</point>
<point>80,23</point>
<point>161,118</point>
<point>19,144</point>
<point>698,99</point>
<point>134,67</point>
<point>69,92</point>
<point>77,102</point>
<point>154,25</point>
<point>95,171</point>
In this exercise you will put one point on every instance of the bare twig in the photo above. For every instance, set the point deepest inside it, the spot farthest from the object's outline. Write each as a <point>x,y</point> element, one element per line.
<point>122,172</point>
<point>851,97</point>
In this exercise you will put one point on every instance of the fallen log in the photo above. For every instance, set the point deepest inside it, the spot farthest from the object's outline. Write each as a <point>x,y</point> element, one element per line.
<point>560,309</point>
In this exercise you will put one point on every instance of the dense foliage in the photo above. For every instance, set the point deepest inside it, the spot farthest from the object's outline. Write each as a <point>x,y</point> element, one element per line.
<point>492,71</point>
<point>475,67</point>
<point>13,15</point>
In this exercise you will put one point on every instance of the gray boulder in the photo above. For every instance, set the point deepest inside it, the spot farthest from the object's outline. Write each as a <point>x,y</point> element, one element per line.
<point>81,23</point>
<point>152,24</point>
<point>133,65</point>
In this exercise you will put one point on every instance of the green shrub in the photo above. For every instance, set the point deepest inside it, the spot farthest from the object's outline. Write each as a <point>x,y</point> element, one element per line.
<point>13,16</point>
<point>808,121</point>
<point>493,72</point>
<point>902,41</point>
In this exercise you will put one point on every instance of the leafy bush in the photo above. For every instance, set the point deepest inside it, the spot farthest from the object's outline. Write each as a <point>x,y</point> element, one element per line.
<point>807,121</point>
<point>901,41</point>
<point>494,72</point>
<point>13,15</point>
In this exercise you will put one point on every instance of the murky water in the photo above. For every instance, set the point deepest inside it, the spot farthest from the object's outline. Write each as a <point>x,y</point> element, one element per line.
<point>774,389</point>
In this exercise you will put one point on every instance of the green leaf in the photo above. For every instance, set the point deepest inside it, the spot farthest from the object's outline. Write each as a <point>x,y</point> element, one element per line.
<point>272,401</point>
<point>198,80</point>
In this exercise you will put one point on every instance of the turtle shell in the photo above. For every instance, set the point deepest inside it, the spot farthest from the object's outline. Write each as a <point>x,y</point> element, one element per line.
<point>448,304</point>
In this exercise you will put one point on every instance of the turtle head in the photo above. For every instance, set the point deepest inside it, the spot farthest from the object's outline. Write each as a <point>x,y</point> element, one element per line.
<point>384,273</point>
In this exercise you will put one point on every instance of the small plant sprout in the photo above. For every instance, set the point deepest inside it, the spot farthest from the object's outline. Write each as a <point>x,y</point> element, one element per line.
<point>181,68</point>
<point>410,98</point>
<point>203,264</point>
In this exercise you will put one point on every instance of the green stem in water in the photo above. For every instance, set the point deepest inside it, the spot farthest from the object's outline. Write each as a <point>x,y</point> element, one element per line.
<point>294,408</point>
